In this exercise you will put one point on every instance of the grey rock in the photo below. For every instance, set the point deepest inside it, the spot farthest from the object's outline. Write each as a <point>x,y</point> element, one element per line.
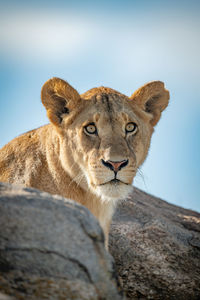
<point>156,247</point>
<point>51,248</point>
<point>6,297</point>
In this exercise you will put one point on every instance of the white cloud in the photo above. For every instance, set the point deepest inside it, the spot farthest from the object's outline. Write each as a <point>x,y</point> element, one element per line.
<point>43,35</point>
<point>128,46</point>
<point>170,47</point>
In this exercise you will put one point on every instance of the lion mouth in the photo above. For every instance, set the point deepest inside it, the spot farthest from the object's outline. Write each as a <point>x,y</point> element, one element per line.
<point>114,181</point>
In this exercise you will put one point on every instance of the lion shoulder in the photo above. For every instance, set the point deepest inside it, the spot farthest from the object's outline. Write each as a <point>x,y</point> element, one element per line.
<point>18,153</point>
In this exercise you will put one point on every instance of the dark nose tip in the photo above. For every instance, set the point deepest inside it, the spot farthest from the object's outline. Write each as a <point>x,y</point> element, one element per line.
<point>115,165</point>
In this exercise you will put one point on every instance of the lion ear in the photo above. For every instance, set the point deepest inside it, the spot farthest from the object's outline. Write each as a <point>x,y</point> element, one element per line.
<point>59,98</point>
<point>153,98</point>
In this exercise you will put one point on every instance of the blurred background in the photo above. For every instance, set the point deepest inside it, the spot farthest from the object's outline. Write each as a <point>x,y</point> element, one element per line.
<point>119,44</point>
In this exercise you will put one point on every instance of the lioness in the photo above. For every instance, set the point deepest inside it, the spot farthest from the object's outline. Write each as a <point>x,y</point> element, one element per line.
<point>92,147</point>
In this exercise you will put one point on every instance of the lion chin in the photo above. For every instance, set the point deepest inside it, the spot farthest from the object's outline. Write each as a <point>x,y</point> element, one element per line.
<point>113,191</point>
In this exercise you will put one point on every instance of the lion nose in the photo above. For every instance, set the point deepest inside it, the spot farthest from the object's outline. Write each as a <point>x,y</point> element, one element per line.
<point>115,165</point>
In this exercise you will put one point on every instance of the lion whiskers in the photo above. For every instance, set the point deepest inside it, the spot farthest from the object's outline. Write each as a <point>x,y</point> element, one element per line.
<point>77,179</point>
<point>141,175</point>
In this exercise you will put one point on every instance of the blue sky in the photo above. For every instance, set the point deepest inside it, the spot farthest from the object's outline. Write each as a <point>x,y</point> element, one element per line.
<point>119,44</point>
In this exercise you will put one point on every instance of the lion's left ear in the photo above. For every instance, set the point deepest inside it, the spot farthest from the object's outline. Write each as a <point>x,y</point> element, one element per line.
<point>153,98</point>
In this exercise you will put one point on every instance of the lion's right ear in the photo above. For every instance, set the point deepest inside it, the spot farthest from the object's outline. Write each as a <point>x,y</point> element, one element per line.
<point>59,98</point>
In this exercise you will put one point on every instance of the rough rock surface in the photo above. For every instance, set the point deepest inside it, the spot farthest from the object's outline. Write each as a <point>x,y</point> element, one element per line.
<point>51,248</point>
<point>156,247</point>
<point>6,297</point>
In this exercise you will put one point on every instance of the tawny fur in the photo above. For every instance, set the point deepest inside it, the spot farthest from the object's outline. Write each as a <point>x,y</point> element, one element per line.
<point>62,158</point>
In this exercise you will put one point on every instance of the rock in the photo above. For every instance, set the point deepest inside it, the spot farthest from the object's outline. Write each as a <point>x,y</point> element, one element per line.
<point>6,297</point>
<point>51,248</point>
<point>156,247</point>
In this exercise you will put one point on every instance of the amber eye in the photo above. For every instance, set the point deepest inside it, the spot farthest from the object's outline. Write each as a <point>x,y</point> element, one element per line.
<point>90,128</point>
<point>131,127</point>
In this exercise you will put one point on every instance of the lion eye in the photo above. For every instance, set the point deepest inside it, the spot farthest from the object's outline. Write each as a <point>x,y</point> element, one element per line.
<point>131,127</point>
<point>90,128</point>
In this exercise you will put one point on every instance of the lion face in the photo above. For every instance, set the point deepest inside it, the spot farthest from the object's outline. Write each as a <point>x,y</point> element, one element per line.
<point>111,141</point>
<point>104,135</point>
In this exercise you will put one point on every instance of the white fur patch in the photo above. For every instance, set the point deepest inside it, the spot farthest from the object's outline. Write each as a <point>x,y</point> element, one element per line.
<point>112,192</point>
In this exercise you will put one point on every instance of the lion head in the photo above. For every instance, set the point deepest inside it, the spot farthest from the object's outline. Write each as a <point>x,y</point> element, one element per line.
<point>104,135</point>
